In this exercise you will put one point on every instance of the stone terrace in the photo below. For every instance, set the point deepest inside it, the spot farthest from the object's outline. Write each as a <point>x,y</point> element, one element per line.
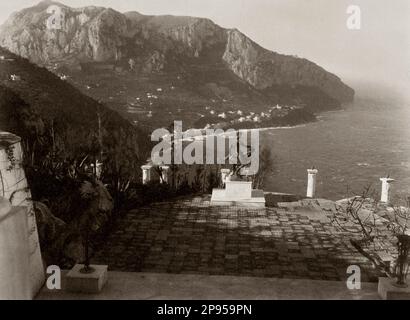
<point>190,237</point>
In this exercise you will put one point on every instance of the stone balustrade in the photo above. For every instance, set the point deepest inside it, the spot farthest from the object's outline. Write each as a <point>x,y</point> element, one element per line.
<point>149,175</point>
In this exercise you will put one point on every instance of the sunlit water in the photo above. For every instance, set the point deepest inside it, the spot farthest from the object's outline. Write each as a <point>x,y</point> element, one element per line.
<point>350,148</point>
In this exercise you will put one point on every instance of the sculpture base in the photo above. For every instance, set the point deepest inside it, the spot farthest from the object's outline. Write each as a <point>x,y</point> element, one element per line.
<point>388,291</point>
<point>76,281</point>
<point>256,200</point>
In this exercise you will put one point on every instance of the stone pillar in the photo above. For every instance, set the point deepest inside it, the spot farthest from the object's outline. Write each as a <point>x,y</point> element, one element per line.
<point>146,173</point>
<point>99,169</point>
<point>385,197</point>
<point>165,174</point>
<point>15,271</point>
<point>224,175</point>
<point>311,185</point>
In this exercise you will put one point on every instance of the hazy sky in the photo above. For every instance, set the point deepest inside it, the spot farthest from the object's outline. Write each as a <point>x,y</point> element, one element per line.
<point>314,29</point>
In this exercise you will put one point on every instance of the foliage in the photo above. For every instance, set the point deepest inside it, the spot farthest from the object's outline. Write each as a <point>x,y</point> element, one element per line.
<point>51,232</point>
<point>376,225</point>
<point>10,157</point>
<point>60,127</point>
<point>266,168</point>
<point>85,208</point>
<point>63,134</point>
<point>139,195</point>
<point>58,122</point>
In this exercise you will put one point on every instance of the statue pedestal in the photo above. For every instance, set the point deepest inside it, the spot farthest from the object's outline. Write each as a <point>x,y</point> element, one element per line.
<point>238,193</point>
<point>86,282</point>
<point>388,291</point>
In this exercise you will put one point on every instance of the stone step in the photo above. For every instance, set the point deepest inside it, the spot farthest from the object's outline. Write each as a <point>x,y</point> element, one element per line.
<point>316,209</point>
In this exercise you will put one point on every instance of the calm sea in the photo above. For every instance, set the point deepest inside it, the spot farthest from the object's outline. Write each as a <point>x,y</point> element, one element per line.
<point>350,148</point>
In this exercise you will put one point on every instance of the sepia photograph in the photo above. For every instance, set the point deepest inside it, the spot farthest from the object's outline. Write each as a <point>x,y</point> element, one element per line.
<point>231,151</point>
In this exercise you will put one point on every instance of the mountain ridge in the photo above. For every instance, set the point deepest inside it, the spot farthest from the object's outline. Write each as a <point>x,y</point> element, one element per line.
<point>98,34</point>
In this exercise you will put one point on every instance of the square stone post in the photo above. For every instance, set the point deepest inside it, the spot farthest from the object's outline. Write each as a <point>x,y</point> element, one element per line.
<point>146,173</point>
<point>311,186</point>
<point>165,174</point>
<point>385,196</point>
<point>224,175</point>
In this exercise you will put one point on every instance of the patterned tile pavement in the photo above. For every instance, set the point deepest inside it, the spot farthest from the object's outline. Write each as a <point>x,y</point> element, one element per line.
<point>189,236</point>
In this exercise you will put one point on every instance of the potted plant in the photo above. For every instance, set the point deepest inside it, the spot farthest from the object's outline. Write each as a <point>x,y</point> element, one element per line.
<point>375,223</point>
<point>395,286</point>
<point>95,205</point>
<point>402,262</point>
<point>398,224</point>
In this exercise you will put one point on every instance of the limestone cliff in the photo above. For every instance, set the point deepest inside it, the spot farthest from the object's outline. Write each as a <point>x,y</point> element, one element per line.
<point>263,68</point>
<point>155,43</point>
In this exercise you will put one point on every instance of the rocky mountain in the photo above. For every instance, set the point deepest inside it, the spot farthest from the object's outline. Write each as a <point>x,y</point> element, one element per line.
<point>225,64</point>
<point>263,68</point>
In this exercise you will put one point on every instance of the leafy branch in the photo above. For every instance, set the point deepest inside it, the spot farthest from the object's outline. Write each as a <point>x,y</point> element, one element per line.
<point>374,223</point>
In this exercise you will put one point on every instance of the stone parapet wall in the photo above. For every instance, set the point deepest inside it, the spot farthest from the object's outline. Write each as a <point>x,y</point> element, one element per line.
<point>182,174</point>
<point>14,187</point>
<point>15,280</point>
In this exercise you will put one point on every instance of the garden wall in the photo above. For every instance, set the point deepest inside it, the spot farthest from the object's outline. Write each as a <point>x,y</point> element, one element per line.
<point>14,187</point>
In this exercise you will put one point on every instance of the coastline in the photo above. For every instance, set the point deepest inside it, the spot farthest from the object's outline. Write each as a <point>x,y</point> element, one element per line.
<point>317,118</point>
<point>278,128</point>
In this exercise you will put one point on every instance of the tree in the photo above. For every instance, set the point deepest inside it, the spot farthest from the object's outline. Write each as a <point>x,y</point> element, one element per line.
<point>375,224</point>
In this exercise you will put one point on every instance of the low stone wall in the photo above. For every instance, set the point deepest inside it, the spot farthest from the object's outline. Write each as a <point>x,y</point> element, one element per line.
<point>14,253</point>
<point>189,175</point>
<point>14,187</point>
